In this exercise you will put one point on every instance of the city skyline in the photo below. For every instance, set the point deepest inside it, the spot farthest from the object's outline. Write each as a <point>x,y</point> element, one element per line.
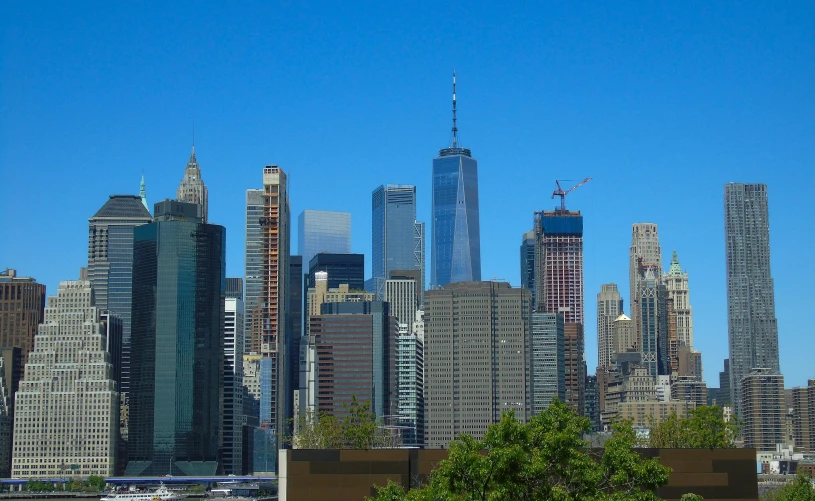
<point>767,140</point>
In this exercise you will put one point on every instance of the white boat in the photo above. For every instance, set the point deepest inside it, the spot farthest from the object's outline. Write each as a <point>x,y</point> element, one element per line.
<point>160,494</point>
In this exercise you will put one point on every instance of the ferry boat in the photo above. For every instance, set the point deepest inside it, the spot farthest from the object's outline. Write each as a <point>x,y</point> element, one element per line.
<point>160,494</point>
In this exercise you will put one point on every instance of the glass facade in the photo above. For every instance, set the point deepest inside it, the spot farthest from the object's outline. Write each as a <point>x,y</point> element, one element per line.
<point>548,369</point>
<point>528,262</point>
<point>341,268</point>
<point>456,241</point>
<point>178,350</point>
<point>323,231</point>
<point>253,266</point>
<point>397,241</point>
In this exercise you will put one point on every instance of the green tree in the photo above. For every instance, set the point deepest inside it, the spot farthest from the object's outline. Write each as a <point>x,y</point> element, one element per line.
<point>704,428</point>
<point>691,497</point>
<point>96,483</point>
<point>799,489</point>
<point>321,431</point>
<point>359,430</point>
<point>545,459</point>
<point>360,426</point>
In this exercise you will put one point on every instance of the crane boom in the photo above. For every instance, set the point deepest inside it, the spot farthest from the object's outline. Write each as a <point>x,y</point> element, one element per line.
<point>562,194</point>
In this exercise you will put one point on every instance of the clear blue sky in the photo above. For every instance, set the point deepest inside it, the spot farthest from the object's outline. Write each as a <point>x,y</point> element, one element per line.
<point>660,102</point>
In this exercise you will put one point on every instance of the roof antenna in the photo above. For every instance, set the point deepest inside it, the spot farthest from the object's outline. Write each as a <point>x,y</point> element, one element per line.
<point>455,129</point>
<point>193,135</point>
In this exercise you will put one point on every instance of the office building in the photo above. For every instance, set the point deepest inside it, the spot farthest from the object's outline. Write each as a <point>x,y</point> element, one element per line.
<point>724,385</point>
<point>321,294</point>
<point>763,409</point>
<point>751,322</point>
<point>11,371</point>
<point>402,295</point>
<point>397,238</point>
<point>528,262</point>
<point>410,380</point>
<point>623,336</point>
<point>803,417</point>
<point>559,288</point>
<point>253,264</point>
<point>341,268</point>
<point>652,322</point>
<point>645,250</point>
<point>234,288</point>
<point>690,363</point>
<point>296,329</point>
<point>676,282</point>
<point>323,231</point>
<point>22,305</point>
<point>356,352</point>
<point>591,402</point>
<point>456,241</point>
<point>547,362</point>
<point>251,409</point>
<point>192,188</point>
<point>609,309</point>
<point>469,385</point>
<point>232,409</point>
<point>276,411</point>
<point>66,419</point>
<point>177,365</point>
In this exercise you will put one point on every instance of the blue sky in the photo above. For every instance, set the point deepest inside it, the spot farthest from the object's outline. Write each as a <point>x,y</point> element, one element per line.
<point>660,102</point>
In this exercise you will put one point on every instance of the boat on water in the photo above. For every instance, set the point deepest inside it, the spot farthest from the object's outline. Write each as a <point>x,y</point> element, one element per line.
<point>160,494</point>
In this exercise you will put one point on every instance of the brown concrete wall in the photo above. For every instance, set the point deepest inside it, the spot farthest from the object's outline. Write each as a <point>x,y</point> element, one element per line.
<point>349,475</point>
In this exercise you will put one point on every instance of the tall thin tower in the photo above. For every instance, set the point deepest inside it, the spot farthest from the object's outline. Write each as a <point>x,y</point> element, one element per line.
<point>751,323</point>
<point>676,282</point>
<point>192,188</point>
<point>645,250</point>
<point>277,390</point>
<point>396,234</point>
<point>253,264</point>
<point>609,308</point>
<point>456,239</point>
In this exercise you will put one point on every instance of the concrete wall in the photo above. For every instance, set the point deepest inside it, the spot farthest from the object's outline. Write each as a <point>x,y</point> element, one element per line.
<point>317,475</point>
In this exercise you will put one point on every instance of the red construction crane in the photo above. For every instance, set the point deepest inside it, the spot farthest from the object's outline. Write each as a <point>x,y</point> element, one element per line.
<point>562,194</point>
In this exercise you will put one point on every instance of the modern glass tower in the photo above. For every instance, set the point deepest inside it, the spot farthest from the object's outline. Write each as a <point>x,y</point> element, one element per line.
<point>456,241</point>
<point>323,231</point>
<point>751,322</point>
<point>396,234</point>
<point>177,383</point>
<point>253,265</point>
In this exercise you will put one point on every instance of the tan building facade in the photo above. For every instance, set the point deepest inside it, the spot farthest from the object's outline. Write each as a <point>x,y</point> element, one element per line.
<point>763,409</point>
<point>22,305</point>
<point>648,413</point>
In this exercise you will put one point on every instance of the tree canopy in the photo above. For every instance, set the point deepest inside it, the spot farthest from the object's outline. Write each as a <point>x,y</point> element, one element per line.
<point>358,430</point>
<point>704,428</point>
<point>545,459</point>
<point>799,489</point>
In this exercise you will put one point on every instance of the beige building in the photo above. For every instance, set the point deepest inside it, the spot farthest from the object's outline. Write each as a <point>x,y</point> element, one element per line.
<point>803,417</point>
<point>648,413</point>
<point>192,188</point>
<point>624,336</point>
<point>676,282</point>
<point>763,409</point>
<point>67,414</point>
<point>476,357</point>
<point>321,294</point>
<point>689,389</point>
<point>609,309</point>
<point>644,249</point>
<point>402,296</point>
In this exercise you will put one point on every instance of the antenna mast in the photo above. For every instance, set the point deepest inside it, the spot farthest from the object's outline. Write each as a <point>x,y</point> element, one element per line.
<point>455,129</point>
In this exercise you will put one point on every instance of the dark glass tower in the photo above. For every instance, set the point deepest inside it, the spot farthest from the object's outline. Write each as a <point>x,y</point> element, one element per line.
<point>179,285</point>
<point>456,241</point>
<point>341,268</point>
<point>397,238</point>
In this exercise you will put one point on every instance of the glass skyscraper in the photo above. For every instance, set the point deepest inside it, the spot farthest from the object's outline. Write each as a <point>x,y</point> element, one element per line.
<point>253,264</point>
<point>323,231</point>
<point>177,364</point>
<point>456,241</point>
<point>397,242</point>
<point>751,322</point>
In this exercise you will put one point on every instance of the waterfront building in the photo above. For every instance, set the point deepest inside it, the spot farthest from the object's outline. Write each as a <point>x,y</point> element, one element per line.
<point>178,345</point>
<point>66,420</point>
<point>22,306</point>
<point>751,323</point>
<point>469,385</point>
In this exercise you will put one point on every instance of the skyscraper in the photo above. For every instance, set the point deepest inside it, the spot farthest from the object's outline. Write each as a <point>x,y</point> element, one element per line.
<point>456,242</point>
<point>22,306</point>
<point>396,234</point>
<point>177,370</point>
<point>110,266</point>
<point>644,250</point>
<point>676,281</point>
<point>652,322</point>
<point>609,308</point>
<point>192,188</point>
<point>528,262</point>
<point>475,370</point>
<point>143,193</point>
<point>559,288</point>
<point>403,300</point>
<point>277,398</point>
<point>751,322</point>
<point>253,265</point>
<point>341,268</point>
<point>323,231</point>
<point>548,370</point>
<point>232,409</point>
<point>410,376</point>
<point>67,406</point>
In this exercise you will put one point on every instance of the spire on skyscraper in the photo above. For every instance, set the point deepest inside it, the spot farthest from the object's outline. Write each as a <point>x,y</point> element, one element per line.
<point>675,268</point>
<point>143,193</point>
<point>455,129</point>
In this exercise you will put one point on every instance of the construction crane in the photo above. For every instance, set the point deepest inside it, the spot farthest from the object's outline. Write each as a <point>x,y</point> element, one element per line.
<point>562,194</point>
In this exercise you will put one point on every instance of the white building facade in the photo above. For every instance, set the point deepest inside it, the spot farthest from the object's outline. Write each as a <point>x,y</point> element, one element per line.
<point>67,409</point>
<point>232,414</point>
<point>676,282</point>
